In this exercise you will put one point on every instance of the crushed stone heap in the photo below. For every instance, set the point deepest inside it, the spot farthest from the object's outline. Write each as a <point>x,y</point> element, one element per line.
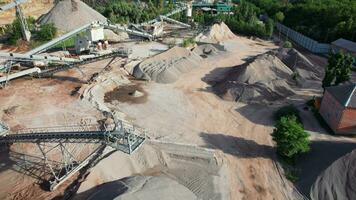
<point>68,15</point>
<point>338,181</point>
<point>262,81</point>
<point>307,74</point>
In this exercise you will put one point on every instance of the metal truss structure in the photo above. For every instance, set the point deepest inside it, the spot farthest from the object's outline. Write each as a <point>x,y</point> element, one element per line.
<point>63,151</point>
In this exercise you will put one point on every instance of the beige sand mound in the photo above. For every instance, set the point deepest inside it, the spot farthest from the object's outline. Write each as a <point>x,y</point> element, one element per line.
<point>168,66</point>
<point>143,188</point>
<point>338,181</point>
<point>205,50</point>
<point>264,80</point>
<point>216,33</point>
<point>178,168</point>
<point>68,15</point>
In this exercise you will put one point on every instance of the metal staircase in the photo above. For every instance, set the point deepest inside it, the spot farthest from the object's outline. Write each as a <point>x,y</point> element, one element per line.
<point>66,140</point>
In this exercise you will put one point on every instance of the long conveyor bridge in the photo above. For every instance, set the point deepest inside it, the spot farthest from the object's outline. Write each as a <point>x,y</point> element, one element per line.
<point>66,140</point>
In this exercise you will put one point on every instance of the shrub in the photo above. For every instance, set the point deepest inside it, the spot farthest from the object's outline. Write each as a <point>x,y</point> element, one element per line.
<point>279,17</point>
<point>290,137</point>
<point>14,30</point>
<point>287,111</point>
<point>288,44</point>
<point>47,32</point>
<point>188,42</point>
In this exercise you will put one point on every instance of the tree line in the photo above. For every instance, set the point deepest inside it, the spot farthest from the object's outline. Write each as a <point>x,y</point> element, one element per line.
<point>322,20</point>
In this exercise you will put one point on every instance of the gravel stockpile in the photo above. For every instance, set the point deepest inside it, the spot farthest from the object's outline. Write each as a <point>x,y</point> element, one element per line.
<point>168,66</point>
<point>307,73</point>
<point>264,80</point>
<point>68,15</point>
<point>338,181</point>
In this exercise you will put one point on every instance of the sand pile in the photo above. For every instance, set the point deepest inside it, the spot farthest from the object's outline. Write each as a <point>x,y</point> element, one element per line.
<point>68,15</point>
<point>143,188</point>
<point>306,72</point>
<point>168,171</point>
<point>264,80</point>
<point>338,181</point>
<point>205,50</point>
<point>168,66</point>
<point>216,33</point>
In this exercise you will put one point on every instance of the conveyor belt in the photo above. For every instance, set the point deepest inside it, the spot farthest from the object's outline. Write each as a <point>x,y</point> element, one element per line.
<point>51,71</point>
<point>11,5</point>
<point>67,137</point>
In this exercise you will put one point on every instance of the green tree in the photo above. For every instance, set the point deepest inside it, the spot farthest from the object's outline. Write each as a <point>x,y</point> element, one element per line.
<point>290,137</point>
<point>269,27</point>
<point>338,69</point>
<point>14,31</point>
<point>279,17</point>
<point>47,32</point>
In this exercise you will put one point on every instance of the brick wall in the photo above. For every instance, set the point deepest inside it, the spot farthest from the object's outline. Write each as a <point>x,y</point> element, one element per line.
<point>331,110</point>
<point>348,118</point>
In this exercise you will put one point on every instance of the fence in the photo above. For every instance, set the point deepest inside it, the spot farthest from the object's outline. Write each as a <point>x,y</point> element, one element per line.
<point>303,40</point>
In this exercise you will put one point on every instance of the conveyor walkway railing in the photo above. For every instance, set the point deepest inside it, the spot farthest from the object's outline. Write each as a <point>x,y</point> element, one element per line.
<point>120,136</point>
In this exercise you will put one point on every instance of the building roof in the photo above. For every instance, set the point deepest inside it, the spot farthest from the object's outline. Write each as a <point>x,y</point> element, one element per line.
<point>344,94</point>
<point>345,44</point>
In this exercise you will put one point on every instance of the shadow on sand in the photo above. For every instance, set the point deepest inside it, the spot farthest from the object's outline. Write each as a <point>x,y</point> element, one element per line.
<point>238,146</point>
<point>322,155</point>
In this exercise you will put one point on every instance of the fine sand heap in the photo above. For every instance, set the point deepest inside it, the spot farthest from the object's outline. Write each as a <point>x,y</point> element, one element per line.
<point>143,188</point>
<point>263,81</point>
<point>168,66</point>
<point>338,181</point>
<point>68,15</point>
<point>158,171</point>
<point>205,50</point>
<point>216,33</point>
<point>307,74</point>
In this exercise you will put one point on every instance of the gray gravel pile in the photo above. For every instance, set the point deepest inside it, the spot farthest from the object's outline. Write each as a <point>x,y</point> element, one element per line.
<point>68,15</point>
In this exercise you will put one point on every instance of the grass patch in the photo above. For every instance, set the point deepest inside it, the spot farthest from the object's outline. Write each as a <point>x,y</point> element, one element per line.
<point>188,42</point>
<point>70,42</point>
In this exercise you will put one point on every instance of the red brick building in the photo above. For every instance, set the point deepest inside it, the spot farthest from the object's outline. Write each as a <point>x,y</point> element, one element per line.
<point>338,108</point>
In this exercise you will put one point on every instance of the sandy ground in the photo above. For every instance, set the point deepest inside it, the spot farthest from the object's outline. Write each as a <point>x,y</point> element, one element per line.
<point>33,8</point>
<point>187,111</point>
<point>29,103</point>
